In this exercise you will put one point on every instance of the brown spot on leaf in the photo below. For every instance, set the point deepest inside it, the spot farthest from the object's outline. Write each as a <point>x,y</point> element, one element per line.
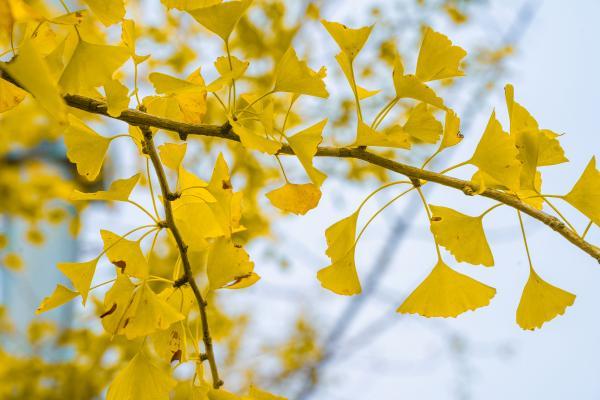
<point>176,356</point>
<point>109,311</point>
<point>121,265</point>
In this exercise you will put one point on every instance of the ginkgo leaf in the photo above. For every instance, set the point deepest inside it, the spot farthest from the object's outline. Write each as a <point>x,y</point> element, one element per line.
<point>108,11</point>
<point>259,394</point>
<point>452,135</point>
<point>340,276</point>
<point>541,302</point>
<point>229,68</point>
<point>585,194</point>
<point>85,148</point>
<point>409,86</point>
<point>422,125</point>
<point>10,95</point>
<point>346,66</point>
<point>80,275</point>
<point>243,281</point>
<point>31,71</point>
<point>222,394</point>
<point>550,151</point>
<point>350,40</point>
<point>170,343</point>
<point>125,254</point>
<point>294,76</point>
<point>462,235</point>
<point>91,65</point>
<point>525,132</point>
<point>394,136</point>
<point>141,379</point>
<point>184,5</point>
<point>119,190</point>
<point>226,263</point>
<point>117,97</point>
<point>116,302</point>
<point>295,198</point>
<point>305,144</point>
<point>60,296</point>
<point>496,155</point>
<point>438,58</point>
<point>172,154</point>
<point>129,38</point>
<point>221,18</point>
<point>253,141</point>
<point>183,100</point>
<point>446,293</point>
<point>147,314</point>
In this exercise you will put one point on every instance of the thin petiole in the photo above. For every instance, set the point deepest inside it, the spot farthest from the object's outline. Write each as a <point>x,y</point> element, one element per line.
<point>525,239</point>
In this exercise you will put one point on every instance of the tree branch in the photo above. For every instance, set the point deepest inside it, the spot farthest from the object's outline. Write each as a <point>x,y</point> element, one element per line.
<point>139,118</point>
<point>150,150</point>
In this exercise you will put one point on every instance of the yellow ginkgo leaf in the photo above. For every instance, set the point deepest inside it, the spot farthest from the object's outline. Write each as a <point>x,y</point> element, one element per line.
<point>170,344</point>
<point>85,148</point>
<point>409,86</point>
<point>184,5</point>
<point>116,302</point>
<point>295,198</point>
<point>117,97</point>
<point>229,68</point>
<point>346,66</point>
<point>31,71</point>
<point>351,41</point>
<point>221,18</point>
<point>108,11</point>
<point>305,144</point>
<point>541,302</point>
<point>60,296</point>
<point>91,65</point>
<point>129,38</point>
<point>340,276</point>
<point>147,314</point>
<point>184,100</point>
<point>462,235</point>
<point>259,394</point>
<point>141,379</point>
<point>243,281</point>
<point>550,151</point>
<point>452,135</point>
<point>526,134</point>
<point>222,394</point>
<point>585,194</point>
<point>80,275</point>
<point>125,254</point>
<point>10,95</point>
<point>253,141</point>
<point>422,125</point>
<point>172,154</point>
<point>438,58</point>
<point>227,263</point>
<point>119,190</point>
<point>446,293</point>
<point>395,136</point>
<point>496,155</point>
<point>294,76</point>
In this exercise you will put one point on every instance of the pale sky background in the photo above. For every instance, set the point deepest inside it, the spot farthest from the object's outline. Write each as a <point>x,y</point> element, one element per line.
<point>555,73</point>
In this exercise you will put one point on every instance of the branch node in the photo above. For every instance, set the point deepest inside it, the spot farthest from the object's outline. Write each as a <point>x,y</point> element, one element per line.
<point>468,190</point>
<point>220,383</point>
<point>172,196</point>
<point>556,224</point>
<point>416,182</point>
<point>180,282</point>
<point>203,357</point>
<point>162,224</point>
<point>182,136</point>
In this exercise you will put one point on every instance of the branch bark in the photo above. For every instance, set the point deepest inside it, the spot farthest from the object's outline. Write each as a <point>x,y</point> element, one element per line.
<point>168,196</point>
<point>139,118</point>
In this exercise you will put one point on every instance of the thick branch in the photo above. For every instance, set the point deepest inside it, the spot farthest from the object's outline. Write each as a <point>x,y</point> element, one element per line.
<point>139,118</point>
<point>167,195</point>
